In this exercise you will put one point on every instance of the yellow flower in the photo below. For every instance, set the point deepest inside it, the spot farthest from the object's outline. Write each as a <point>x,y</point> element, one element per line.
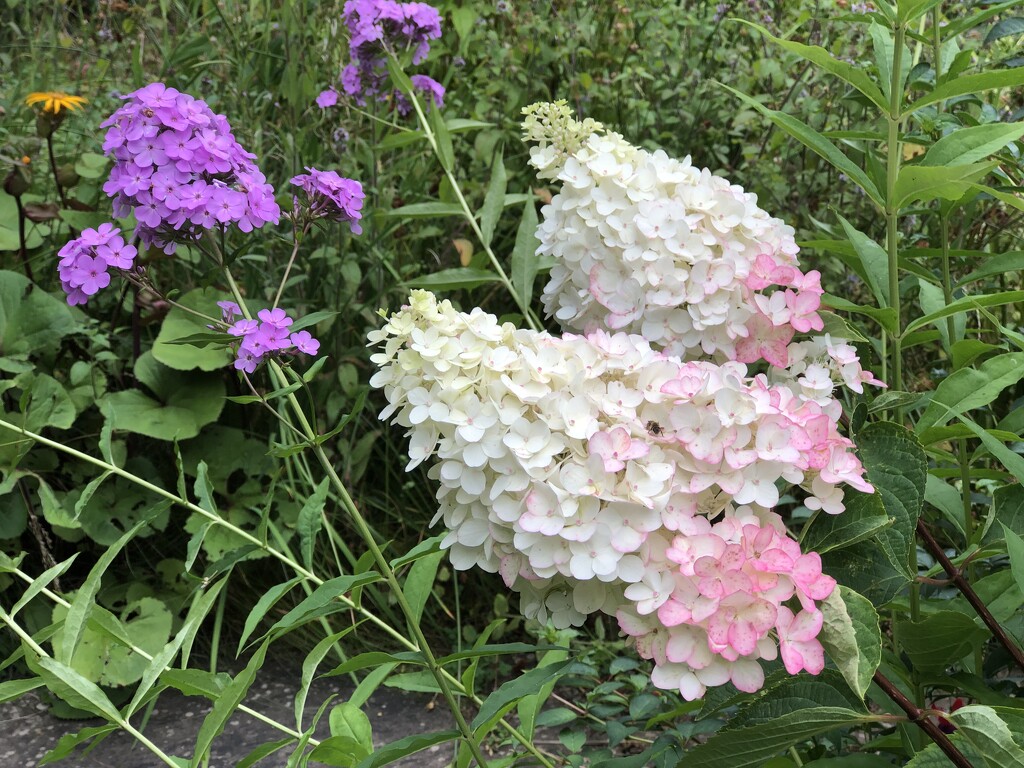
<point>53,101</point>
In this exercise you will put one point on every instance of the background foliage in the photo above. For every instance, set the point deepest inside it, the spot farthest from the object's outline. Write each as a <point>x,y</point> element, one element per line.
<point>903,186</point>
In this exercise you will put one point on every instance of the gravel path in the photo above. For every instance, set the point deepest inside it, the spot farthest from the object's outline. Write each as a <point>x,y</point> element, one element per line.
<point>29,731</point>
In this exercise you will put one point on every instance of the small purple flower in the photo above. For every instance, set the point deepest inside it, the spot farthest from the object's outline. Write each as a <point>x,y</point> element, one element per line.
<point>332,196</point>
<point>243,327</point>
<point>432,90</point>
<point>327,98</point>
<point>229,310</point>
<point>305,343</point>
<point>85,260</point>
<point>275,317</point>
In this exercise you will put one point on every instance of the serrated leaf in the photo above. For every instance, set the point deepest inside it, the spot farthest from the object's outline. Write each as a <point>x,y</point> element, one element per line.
<point>851,637</point>
<point>990,735</point>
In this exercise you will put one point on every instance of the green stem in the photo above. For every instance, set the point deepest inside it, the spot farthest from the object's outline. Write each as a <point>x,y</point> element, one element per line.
<point>528,314</point>
<point>893,118</point>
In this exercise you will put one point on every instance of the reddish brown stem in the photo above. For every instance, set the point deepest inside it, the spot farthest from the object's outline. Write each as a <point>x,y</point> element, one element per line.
<point>957,578</point>
<point>22,245</point>
<point>53,169</point>
<point>921,720</point>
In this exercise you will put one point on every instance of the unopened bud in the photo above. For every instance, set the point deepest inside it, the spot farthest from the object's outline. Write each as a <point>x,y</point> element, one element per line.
<point>17,182</point>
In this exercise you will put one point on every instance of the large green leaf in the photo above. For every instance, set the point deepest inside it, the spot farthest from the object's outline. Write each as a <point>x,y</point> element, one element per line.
<point>349,721</point>
<point>494,200</point>
<point>180,324</point>
<point>753,745</point>
<point>31,320</point>
<point>874,261</point>
<point>968,145</point>
<point>407,746</point>
<point>965,84</point>
<point>923,183</point>
<point>184,403</point>
<point>990,735</point>
<point>852,637</point>
<point>863,517</point>
<point>971,388</point>
<point>938,640</point>
<point>516,689</point>
<point>524,264</point>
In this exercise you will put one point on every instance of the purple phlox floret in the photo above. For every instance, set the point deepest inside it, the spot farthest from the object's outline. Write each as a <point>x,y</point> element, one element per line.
<point>229,310</point>
<point>180,170</point>
<point>377,25</point>
<point>85,261</point>
<point>266,336</point>
<point>332,196</point>
<point>327,98</point>
<point>432,91</point>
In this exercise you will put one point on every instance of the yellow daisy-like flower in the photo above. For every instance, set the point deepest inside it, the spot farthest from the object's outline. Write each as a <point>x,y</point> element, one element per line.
<point>54,101</point>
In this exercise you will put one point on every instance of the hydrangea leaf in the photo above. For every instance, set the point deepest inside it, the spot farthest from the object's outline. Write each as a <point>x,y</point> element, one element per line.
<point>938,640</point>
<point>852,637</point>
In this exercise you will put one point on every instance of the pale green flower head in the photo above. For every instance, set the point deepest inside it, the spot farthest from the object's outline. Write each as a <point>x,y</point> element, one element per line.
<point>557,133</point>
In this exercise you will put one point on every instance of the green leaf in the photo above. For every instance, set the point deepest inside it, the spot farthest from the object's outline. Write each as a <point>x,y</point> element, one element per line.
<point>497,649</point>
<point>514,690</point>
<point>874,261</point>
<point>1011,460</point>
<point>180,325</point>
<point>884,316</point>
<point>1012,26</point>
<point>1015,549</point>
<point>494,200</point>
<point>184,404</point>
<point>816,142</point>
<point>971,388</point>
<point>863,517</point>
<point>309,667</point>
<point>421,681</point>
<point>389,753</point>
<point>751,746</point>
<point>197,682</point>
<point>883,46</point>
<point>84,600</point>
<point>823,60</point>
<point>966,304</point>
<point>938,640</point>
<point>989,733</point>
<point>70,686</point>
<point>308,321</point>
<point>995,264</point>
<point>323,600</point>
<point>31,320</point>
<point>375,658</point>
<point>428,210</point>
<point>264,750</point>
<point>348,720</point>
<point>41,582</point>
<point>370,683</point>
<point>226,704</point>
<point>524,254</point>
<point>923,183</point>
<point>14,689</point>
<point>420,583</point>
<point>968,145</point>
<point>968,84</point>
<point>445,151</point>
<point>339,751</point>
<point>455,278</point>
<point>82,220</point>
<point>946,499</point>
<point>908,10</point>
<point>69,742</point>
<point>851,636</point>
<point>311,520</point>
<point>838,328</point>
<point>424,548</point>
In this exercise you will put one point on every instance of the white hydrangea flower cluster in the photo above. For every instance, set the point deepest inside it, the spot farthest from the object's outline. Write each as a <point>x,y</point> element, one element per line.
<point>587,471</point>
<point>651,245</point>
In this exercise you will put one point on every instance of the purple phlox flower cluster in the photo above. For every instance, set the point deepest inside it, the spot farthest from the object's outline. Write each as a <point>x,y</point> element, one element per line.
<point>85,261</point>
<point>179,169</point>
<point>332,196</point>
<point>268,335</point>
<point>377,25</point>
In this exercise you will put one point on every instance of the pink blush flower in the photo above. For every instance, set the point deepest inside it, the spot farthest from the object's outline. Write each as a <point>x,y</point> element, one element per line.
<point>798,642</point>
<point>616,448</point>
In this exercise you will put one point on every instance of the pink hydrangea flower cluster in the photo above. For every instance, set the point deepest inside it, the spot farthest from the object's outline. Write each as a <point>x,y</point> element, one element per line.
<point>651,245</point>
<point>374,27</point>
<point>331,196</point>
<point>85,261</point>
<point>179,169</point>
<point>266,336</point>
<point>579,468</point>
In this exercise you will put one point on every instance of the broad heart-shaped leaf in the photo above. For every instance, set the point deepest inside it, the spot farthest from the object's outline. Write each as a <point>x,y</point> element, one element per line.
<point>185,402</point>
<point>988,732</point>
<point>852,637</point>
<point>968,145</point>
<point>822,59</point>
<point>971,388</point>
<point>923,183</point>
<point>751,746</point>
<point>102,659</point>
<point>864,517</point>
<point>180,324</point>
<point>816,142</point>
<point>938,640</point>
<point>31,320</point>
<point>880,567</point>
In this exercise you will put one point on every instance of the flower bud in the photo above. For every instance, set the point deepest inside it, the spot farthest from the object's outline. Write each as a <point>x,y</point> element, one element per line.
<point>66,176</point>
<point>17,182</point>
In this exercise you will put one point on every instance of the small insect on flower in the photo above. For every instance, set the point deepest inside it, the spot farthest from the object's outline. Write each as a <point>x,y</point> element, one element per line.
<point>654,428</point>
<point>54,101</point>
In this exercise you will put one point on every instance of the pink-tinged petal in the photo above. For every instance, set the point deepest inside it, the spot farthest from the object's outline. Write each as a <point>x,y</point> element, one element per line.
<point>791,657</point>
<point>509,570</point>
<point>672,613</point>
<point>747,675</point>
<point>690,688</point>
<point>680,647</point>
<point>743,637</point>
<point>814,657</point>
<point>806,626</point>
